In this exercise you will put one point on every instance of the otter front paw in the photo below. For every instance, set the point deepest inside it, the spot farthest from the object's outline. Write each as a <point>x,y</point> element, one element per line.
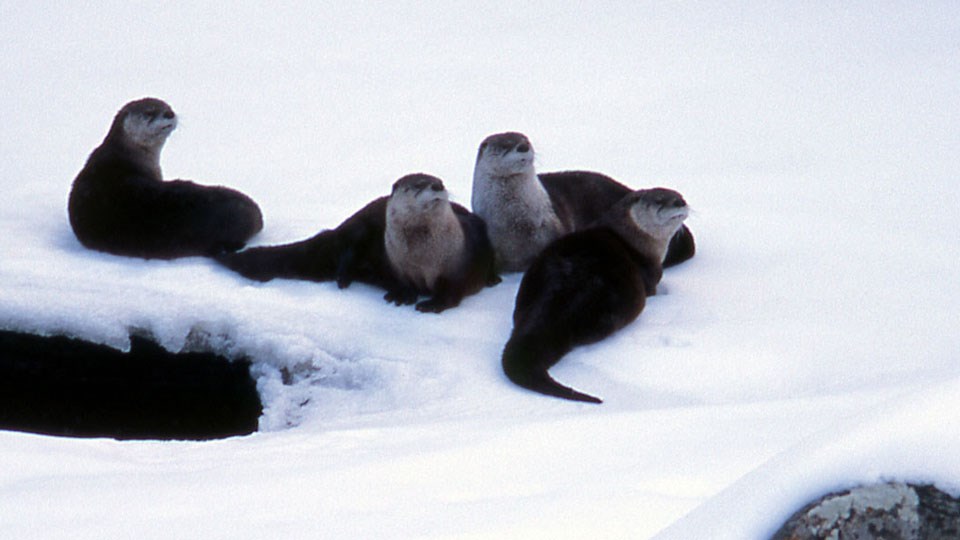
<point>434,305</point>
<point>401,296</point>
<point>344,281</point>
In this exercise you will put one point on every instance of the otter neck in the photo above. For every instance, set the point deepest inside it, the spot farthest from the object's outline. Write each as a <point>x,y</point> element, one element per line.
<point>519,214</point>
<point>639,238</point>
<point>147,157</point>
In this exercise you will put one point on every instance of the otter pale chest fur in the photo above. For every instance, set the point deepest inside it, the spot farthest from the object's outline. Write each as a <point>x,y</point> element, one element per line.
<point>589,284</point>
<point>120,204</point>
<point>525,211</point>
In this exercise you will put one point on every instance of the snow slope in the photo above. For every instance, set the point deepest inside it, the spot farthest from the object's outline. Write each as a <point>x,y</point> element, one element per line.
<point>811,345</point>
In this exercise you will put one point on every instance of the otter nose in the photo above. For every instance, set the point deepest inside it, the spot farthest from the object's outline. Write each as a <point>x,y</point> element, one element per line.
<point>679,203</point>
<point>168,115</point>
<point>523,148</point>
<point>436,186</point>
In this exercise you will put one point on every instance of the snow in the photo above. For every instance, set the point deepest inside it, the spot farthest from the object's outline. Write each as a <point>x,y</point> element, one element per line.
<point>811,345</point>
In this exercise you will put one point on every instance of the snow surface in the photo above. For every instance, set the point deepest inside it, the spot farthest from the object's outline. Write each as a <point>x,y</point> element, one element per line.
<point>810,346</point>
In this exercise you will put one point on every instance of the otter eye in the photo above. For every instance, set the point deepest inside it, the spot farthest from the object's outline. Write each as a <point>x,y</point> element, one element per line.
<point>523,148</point>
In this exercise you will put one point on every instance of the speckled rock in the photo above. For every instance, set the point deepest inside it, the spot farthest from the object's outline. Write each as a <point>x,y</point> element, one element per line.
<point>890,511</point>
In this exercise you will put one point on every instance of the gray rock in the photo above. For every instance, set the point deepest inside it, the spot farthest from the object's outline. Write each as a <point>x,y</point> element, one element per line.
<point>891,511</point>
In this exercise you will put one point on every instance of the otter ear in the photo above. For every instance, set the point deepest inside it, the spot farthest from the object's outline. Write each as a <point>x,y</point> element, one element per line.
<point>483,147</point>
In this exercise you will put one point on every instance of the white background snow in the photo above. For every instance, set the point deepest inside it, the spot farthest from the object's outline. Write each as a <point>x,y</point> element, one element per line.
<point>811,345</point>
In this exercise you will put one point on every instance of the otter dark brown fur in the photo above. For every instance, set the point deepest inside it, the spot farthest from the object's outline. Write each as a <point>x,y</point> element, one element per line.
<point>589,284</point>
<point>357,250</point>
<point>120,204</point>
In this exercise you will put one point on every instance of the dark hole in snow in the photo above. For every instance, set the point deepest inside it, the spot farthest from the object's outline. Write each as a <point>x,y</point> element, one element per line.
<point>68,387</point>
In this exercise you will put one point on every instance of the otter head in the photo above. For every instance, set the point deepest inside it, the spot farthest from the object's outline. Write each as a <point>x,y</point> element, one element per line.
<point>145,124</point>
<point>417,193</point>
<point>504,155</point>
<point>659,212</point>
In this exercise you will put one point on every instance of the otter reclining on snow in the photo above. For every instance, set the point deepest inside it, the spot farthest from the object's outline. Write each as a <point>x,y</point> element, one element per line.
<point>589,284</point>
<point>525,211</point>
<point>120,204</point>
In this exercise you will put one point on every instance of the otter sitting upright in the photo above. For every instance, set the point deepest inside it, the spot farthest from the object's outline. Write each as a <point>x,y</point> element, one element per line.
<point>431,250</point>
<point>589,284</point>
<point>120,204</point>
<point>414,242</point>
<point>525,211</point>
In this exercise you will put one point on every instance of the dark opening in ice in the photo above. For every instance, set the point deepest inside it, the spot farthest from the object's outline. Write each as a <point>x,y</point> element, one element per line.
<point>68,387</point>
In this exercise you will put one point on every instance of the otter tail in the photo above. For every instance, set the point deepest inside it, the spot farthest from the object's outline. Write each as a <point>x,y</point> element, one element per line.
<point>525,363</point>
<point>314,259</point>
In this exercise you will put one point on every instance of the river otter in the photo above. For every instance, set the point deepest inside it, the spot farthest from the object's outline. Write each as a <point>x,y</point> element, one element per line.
<point>525,211</point>
<point>120,204</point>
<point>589,284</point>
<point>415,242</point>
